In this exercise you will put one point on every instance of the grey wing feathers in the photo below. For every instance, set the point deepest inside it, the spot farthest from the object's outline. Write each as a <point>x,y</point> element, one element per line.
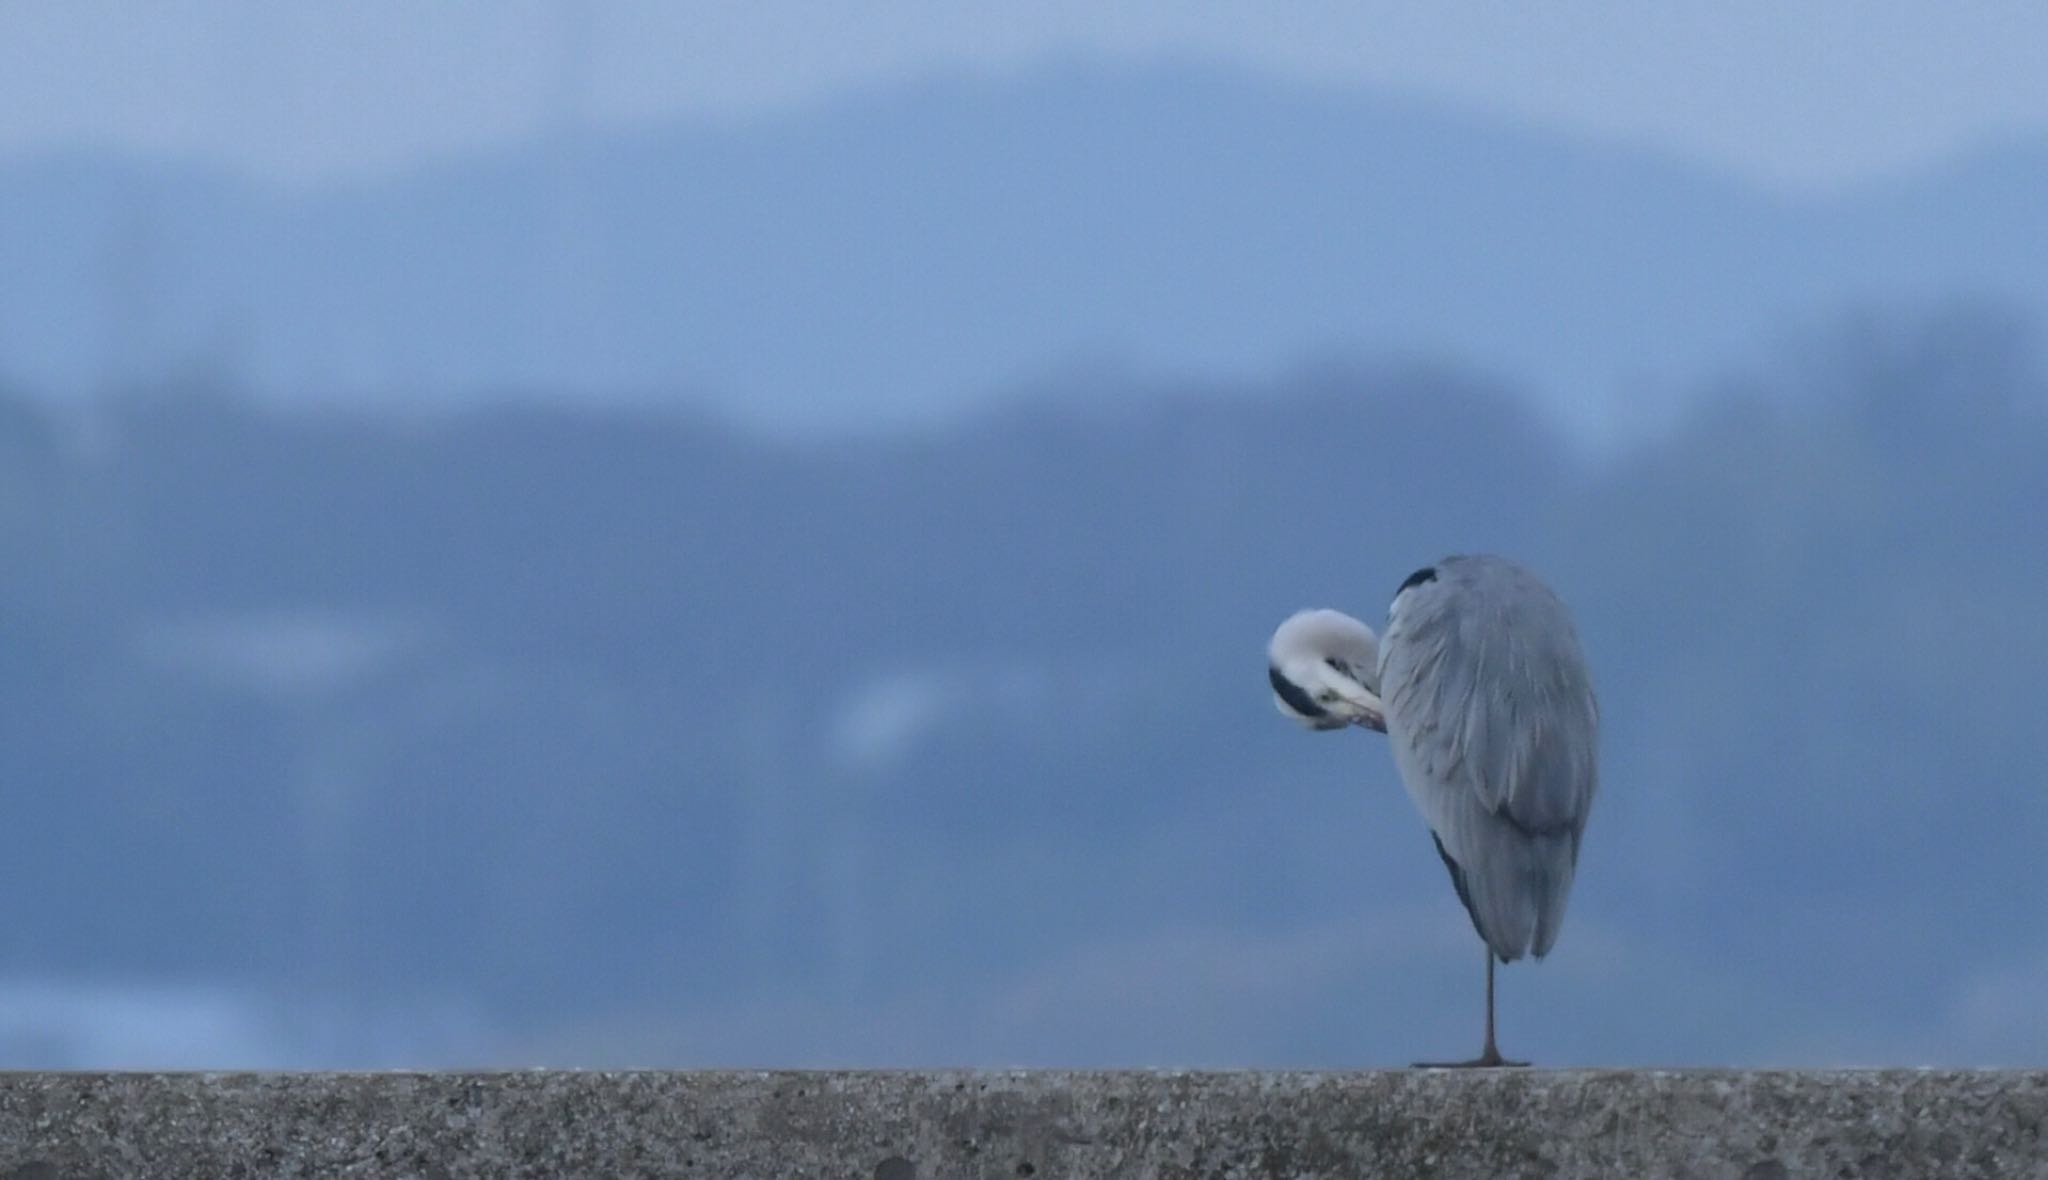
<point>1494,727</point>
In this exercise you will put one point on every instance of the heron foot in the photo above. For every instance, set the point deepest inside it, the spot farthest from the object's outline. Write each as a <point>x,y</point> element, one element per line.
<point>1491,1059</point>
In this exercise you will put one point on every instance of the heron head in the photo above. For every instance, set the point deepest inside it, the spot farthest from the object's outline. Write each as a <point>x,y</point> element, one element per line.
<point>1324,669</point>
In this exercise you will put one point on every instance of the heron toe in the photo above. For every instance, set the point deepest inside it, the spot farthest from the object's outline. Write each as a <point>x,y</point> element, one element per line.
<point>1487,1060</point>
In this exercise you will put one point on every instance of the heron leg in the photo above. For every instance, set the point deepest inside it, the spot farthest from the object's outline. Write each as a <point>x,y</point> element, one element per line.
<point>1491,1057</point>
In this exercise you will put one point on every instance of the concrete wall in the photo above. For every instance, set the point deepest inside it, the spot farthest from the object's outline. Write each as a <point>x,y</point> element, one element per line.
<point>906,1126</point>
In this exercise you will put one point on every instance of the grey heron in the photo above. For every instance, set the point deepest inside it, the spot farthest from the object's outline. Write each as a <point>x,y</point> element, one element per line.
<point>1484,695</point>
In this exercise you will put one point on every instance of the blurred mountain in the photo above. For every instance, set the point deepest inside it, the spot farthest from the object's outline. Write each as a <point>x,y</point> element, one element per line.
<point>919,250</point>
<point>640,740</point>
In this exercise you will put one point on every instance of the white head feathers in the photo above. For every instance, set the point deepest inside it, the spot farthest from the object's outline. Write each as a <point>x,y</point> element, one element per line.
<point>1324,669</point>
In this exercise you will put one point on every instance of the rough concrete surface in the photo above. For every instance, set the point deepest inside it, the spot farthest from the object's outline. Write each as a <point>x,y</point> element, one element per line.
<point>907,1126</point>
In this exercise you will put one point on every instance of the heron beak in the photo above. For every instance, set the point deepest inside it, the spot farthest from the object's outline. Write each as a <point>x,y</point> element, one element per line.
<point>1372,712</point>
<point>1364,709</point>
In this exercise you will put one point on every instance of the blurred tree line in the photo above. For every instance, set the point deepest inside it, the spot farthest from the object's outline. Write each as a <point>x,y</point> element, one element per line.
<point>549,705</point>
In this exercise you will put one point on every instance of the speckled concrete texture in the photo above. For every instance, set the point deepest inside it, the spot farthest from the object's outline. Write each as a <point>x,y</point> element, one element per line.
<point>1053,1125</point>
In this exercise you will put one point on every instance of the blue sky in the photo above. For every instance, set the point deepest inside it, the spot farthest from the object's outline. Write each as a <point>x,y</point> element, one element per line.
<point>1792,95</point>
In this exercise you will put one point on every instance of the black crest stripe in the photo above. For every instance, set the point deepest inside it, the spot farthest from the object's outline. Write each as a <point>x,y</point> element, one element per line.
<point>1291,693</point>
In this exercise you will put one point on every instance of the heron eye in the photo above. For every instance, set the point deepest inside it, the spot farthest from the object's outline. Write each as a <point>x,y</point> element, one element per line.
<point>1326,696</point>
<point>1337,664</point>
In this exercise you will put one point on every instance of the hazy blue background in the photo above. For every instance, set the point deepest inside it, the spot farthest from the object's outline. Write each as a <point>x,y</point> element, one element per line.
<point>649,534</point>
